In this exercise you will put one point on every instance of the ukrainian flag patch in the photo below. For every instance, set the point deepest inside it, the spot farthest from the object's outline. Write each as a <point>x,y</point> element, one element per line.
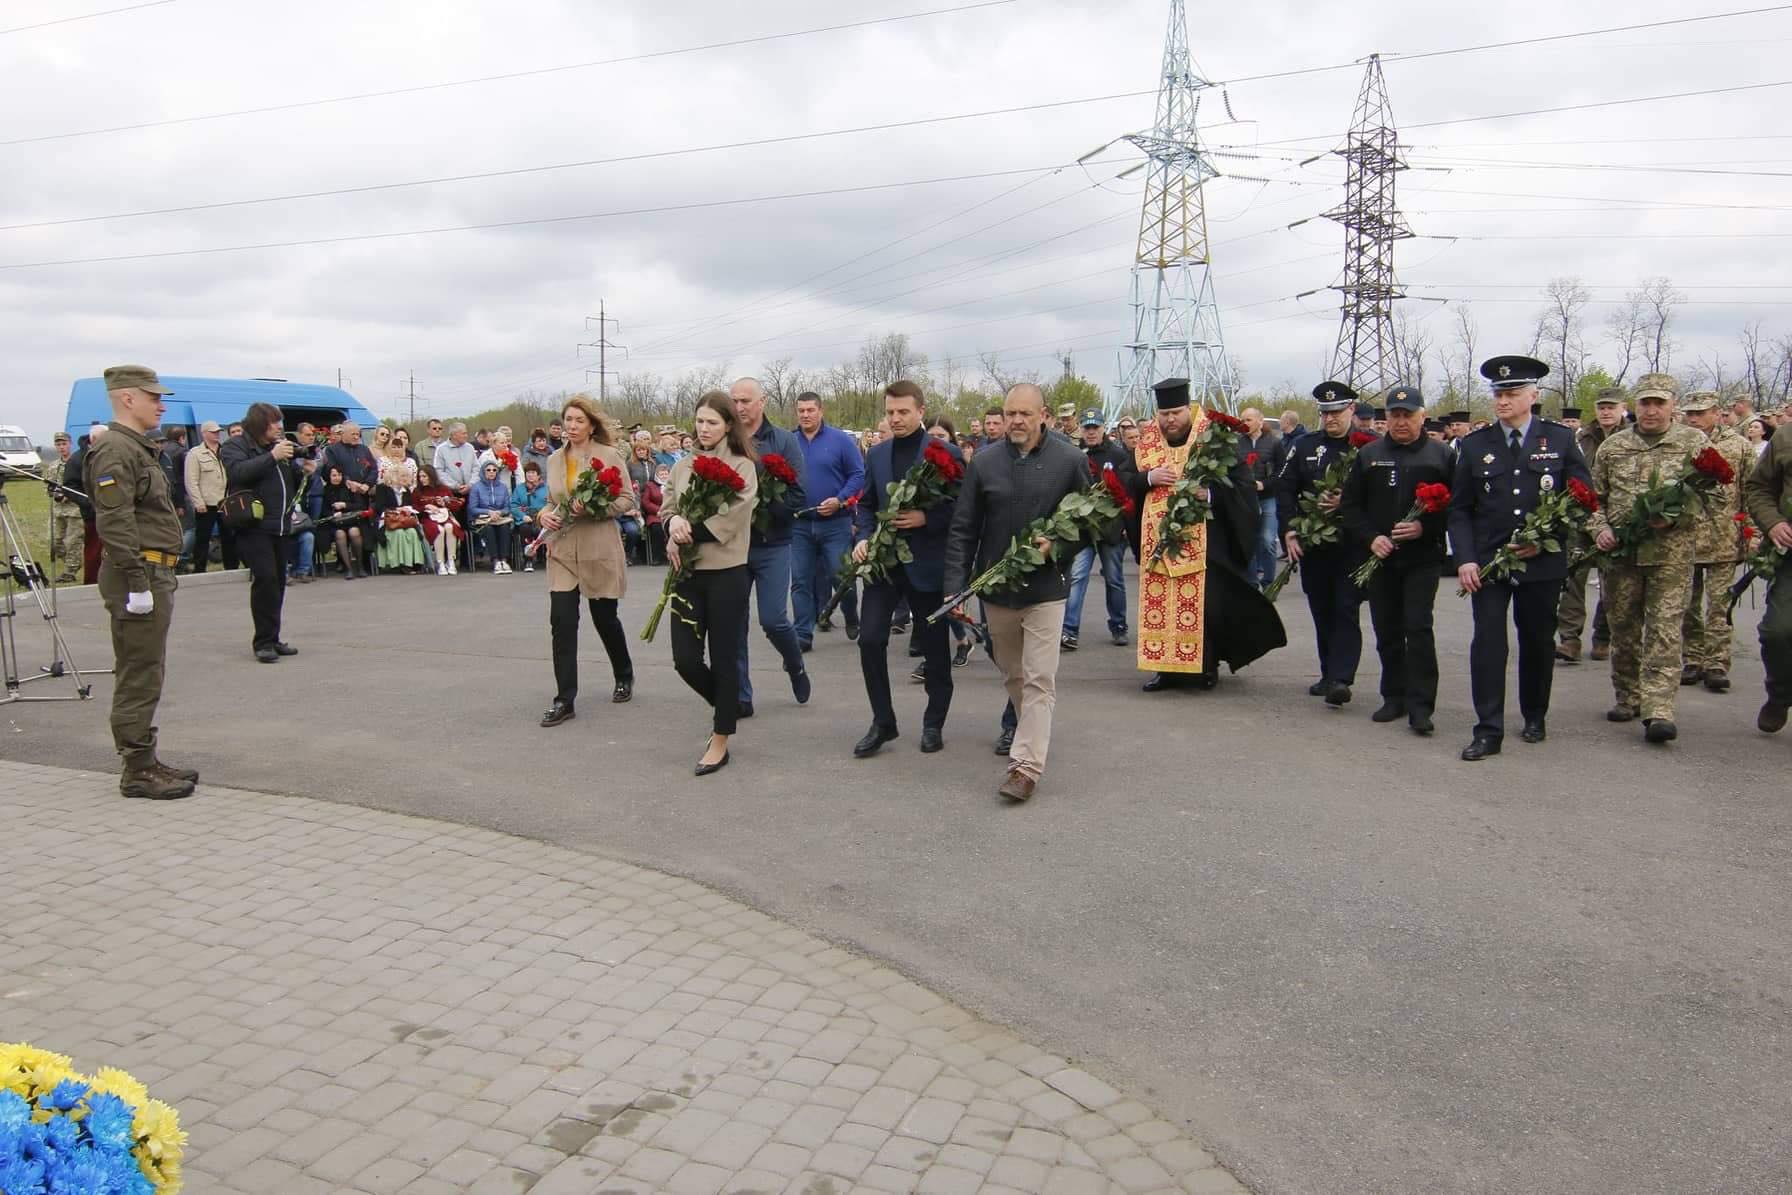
<point>106,479</point>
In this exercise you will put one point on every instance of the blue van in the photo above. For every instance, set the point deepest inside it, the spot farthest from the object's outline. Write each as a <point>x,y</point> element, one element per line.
<point>196,400</point>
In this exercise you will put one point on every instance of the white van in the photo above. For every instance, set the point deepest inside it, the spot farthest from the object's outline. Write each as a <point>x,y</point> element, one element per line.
<point>16,449</point>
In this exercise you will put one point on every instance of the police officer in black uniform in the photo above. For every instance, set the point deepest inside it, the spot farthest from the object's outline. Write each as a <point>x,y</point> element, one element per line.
<point>1332,598</point>
<point>1378,495</point>
<point>1501,472</point>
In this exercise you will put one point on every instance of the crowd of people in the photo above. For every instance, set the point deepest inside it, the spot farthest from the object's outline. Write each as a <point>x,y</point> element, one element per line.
<point>746,513</point>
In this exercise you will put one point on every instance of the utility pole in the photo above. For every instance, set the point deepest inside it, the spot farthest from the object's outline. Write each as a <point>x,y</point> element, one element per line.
<point>602,344</point>
<point>1175,316</point>
<point>413,388</point>
<point>1366,357</point>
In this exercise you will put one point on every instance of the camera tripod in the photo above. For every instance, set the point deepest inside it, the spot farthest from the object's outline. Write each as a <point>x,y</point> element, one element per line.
<point>20,571</point>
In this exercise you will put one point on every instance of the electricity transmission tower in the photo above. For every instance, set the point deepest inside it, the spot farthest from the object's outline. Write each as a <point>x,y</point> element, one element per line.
<point>1175,317</point>
<point>1366,357</point>
<point>603,345</point>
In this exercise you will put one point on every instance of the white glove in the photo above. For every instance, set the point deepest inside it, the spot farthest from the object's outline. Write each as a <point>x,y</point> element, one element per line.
<point>139,603</point>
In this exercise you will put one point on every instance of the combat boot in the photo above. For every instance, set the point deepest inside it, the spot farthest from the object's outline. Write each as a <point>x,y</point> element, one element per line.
<point>1568,651</point>
<point>153,783</point>
<point>187,774</point>
<point>1600,650</point>
<point>1717,680</point>
<point>1691,674</point>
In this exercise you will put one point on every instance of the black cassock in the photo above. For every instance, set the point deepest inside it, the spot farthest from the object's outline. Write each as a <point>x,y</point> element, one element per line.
<point>1242,624</point>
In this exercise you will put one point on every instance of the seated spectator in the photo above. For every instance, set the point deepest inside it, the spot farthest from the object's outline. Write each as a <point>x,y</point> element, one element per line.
<point>401,443</point>
<point>539,450</point>
<point>488,508</point>
<point>345,511</point>
<point>526,502</point>
<point>382,440</point>
<point>397,537</point>
<point>653,499</point>
<point>437,505</point>
<point>396,468</point>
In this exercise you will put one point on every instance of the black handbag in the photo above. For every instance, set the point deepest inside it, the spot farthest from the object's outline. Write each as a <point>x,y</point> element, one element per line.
<point>241,510</point>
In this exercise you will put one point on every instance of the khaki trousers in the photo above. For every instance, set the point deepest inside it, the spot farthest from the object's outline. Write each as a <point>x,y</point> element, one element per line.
<point>1026,650</point>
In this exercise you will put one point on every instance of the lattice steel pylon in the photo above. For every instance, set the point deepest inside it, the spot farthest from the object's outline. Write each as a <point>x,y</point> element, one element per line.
<point>1175,317</point>
<point>1365,357</point>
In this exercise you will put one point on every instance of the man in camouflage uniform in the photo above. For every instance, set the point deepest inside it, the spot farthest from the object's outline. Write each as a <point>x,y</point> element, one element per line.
<point>141,533</point>
<point>1717,537</point>
<point>67,532</point>
<point>1646,597</point>
<point>1571,612</point>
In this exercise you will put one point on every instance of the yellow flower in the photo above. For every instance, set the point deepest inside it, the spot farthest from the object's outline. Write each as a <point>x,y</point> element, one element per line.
<point>49,1071</point>
<point>158,1131</point>
<point>24,1068</point>
<point>110,1080</point>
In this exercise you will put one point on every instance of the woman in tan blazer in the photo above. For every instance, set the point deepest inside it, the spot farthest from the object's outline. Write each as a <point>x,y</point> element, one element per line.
<point>585,557</point>
<point>714,596</point>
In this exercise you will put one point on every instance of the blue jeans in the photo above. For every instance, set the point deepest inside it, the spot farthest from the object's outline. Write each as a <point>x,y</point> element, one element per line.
<point>1113,576</point>
<point>816,547</point>
<point>770,567</point>
<point>1263,561</point>
<point>306,542</point>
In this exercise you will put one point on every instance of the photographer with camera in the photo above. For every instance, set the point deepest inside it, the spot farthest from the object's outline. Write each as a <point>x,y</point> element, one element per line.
<point>258,465</point>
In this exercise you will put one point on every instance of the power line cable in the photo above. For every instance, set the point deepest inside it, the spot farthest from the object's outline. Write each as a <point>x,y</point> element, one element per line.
<point>86,16</point>
<point>732,43</point>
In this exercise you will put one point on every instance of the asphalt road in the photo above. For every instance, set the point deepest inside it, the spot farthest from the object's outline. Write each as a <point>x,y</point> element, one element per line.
<point>1347,960</point>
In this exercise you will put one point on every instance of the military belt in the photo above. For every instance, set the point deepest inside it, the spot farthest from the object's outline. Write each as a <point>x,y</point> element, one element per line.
<point>165,559</point>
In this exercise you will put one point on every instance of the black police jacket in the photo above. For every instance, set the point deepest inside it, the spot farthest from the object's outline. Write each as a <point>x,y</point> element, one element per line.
<point>1378,492</point>
<point>1495,491</point>
<point>1307,460</point>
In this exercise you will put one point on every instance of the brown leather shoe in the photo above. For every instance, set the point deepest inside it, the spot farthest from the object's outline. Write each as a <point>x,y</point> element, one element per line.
<point>1568,651</point>
<point>1017,787</point>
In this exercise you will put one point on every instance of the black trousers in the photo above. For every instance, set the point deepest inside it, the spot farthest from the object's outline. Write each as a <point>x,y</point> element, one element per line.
<point>1401,597</point>
<point>1533,606</point>
<point>203,526</point>
<point>716,601</point>
<point>1335,604</point>
<point>877,610</point>
<point>264,554</point>
<point>563,626</point>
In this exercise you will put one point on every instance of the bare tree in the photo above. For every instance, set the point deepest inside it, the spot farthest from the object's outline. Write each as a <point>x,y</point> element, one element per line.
<point>1779,380</point>
<point>1659,299</point>
<point>691,385</point>
<point>1460,360</point>
<point>640,393</point>
<point>1627,328</point>
<point>1560,333</point>
<point>1001,379</point>
<point>884,359</point>
<point>1412,344</point>
<point>782,382</point>
<point>1757,359</point>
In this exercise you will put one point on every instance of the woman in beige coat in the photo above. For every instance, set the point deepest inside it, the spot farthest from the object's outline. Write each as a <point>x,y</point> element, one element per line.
<point>714,594</point>
<point>585,557</point>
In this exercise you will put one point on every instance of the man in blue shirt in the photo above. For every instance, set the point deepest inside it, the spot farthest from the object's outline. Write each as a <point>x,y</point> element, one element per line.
<point>833,475</point>
<point>768,558</point>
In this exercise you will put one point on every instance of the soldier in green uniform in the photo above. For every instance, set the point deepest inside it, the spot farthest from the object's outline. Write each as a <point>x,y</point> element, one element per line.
<point>1717,537</point>
<point>1768,498</point>
<point>1646,597</point>
<point>141,537</point>
<point>1571,612</point>
<point>67,534</point>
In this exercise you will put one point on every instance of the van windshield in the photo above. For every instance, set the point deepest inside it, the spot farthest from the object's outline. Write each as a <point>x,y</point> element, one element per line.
<point>15,444</point>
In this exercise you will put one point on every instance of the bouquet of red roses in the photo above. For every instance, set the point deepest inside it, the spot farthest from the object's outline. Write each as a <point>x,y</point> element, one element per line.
<point>1314,524</point>
<point>507,458</point>
<point>1761,559</point>
<point>1428,499</point>
<point>775,479</point>
<point>713,485</point>
<point>1556,512</point>
<point>933,478</point>
<point>597,488</point>
<point>1666,503</point>
<point>1079,516</point>
<point>1210,462</point>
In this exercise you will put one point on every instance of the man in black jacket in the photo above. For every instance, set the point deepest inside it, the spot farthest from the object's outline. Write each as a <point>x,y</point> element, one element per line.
<point>260,462</point>
<point>1005,488</point>
<point>1102,454</point>
<point>1378,495</point>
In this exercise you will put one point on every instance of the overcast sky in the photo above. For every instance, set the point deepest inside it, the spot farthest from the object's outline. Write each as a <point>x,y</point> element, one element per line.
<point>482,315</point>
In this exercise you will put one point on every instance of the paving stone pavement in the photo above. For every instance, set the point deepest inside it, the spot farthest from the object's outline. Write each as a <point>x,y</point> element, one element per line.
<point>344,1000</point>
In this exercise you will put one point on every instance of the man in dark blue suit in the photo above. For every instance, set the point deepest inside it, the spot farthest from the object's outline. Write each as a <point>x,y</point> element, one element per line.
<point>921,581</point>
<point>1501,473</point>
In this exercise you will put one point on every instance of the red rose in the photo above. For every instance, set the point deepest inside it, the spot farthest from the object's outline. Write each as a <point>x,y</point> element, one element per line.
<point>1434,497</point>
<point>1748,534</point>
<point>1360,439</point>
<point>1583,493</point>
<point>1250,458</point>
<point>1712,464</point>
<point>779,468</point>
<point>714,469</point>
<point>943,462</point>
<point>1739,517</point>
<point>1231,423</point>
<point>1111,481</point>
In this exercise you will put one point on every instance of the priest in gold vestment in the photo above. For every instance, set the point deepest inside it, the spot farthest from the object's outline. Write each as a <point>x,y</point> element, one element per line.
<point>1198,608</point>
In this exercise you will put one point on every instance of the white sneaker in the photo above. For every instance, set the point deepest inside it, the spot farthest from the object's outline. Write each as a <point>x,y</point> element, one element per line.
<point>507,569</point>
<point>528,566</point>
<point>453,569</point>
<point>441,569</point>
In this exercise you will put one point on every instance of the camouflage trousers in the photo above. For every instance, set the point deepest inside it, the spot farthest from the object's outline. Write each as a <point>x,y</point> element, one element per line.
<point>1571,610</point>
<point>1706,626</point>
<point>67,540</point>
<point>1645,606</point>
